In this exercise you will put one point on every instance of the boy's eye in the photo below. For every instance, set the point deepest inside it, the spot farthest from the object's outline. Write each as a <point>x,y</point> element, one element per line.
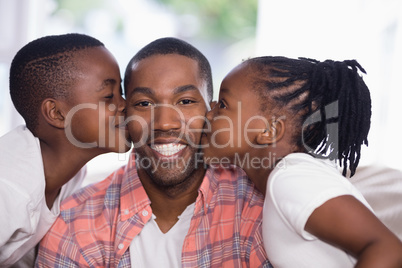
<point>186,101</point>
<point>221,105</point>
<point>110,96</point>
<point>143,103</point>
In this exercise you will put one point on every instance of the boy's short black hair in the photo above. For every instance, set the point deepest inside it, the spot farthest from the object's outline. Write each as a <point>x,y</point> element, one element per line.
<point>45,68</point>
<point>170,45</point>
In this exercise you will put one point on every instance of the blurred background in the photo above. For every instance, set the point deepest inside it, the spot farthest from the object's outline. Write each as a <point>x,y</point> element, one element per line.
<point>228,31</point>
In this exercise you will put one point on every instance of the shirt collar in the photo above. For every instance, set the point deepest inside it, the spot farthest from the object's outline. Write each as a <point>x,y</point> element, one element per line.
<point>206,191</point>
<point>133,197</point>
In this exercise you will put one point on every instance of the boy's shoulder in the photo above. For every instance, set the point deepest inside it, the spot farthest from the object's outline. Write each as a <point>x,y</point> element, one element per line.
<point>19,136</point>
<point>21,165</point>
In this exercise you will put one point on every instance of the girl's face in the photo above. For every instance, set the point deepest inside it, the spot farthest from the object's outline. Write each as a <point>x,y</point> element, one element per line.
<point>235,121</point>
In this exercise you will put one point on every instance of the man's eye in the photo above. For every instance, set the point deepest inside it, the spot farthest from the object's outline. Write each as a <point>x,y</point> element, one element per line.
<point>221,105</point>
<point>186,101</point>
<point>143,103</point>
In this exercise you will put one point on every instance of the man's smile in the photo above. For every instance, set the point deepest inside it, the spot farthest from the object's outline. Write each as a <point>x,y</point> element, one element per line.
<point>168,149</point>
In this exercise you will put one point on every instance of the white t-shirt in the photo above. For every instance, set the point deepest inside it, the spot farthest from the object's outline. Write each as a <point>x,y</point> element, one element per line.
<point>152,248</point>
<point>25,217</point>
<point>382,188</point>
<point>295,188</point>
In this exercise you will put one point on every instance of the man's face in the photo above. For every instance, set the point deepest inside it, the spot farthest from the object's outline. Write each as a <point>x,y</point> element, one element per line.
<point>166,113</point>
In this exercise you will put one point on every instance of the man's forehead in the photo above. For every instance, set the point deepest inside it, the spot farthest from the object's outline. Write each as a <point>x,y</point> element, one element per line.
<point>159,68</point>
<point>162,60</point>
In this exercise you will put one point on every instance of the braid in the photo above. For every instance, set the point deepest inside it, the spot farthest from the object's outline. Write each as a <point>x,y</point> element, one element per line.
<point>320,94</point>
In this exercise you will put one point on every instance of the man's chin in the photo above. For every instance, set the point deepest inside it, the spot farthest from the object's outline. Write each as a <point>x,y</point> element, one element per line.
<point>166,177</point>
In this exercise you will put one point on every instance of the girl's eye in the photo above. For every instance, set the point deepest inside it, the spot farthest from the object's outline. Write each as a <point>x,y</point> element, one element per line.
<point>186,101</point>
<point>110,96</point>
<point>143,104</point>
<point>221,105</point>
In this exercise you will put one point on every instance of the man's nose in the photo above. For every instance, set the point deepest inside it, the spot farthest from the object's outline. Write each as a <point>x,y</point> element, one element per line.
<point>167,117</point>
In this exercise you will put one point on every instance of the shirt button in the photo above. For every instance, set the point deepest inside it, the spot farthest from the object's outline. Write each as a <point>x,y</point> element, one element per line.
<point>120,246</point>
<point>125,211</point>
<point>144,213</point>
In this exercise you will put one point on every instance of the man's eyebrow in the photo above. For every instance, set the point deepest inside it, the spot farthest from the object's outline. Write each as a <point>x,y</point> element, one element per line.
<point>185,88</point>
<point>142,90</point>
<point>106,83</point>
<point>149,91</point>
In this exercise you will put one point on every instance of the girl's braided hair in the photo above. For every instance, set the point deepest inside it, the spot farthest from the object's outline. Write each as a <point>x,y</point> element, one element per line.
<point>330,100</point>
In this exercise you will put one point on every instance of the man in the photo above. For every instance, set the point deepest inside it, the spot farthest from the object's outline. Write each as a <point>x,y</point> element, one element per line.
<point>165,208</point>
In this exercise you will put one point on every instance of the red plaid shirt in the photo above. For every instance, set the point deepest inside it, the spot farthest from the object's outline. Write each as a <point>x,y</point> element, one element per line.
<point>97,225</point>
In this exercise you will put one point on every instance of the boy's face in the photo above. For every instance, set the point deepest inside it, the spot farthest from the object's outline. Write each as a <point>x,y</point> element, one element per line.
<point>234,121</point>
<point>166,113</point>
<point>97,114</point>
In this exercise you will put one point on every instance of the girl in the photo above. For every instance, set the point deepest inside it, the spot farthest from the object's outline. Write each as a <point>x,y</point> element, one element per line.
<point>287,122</point>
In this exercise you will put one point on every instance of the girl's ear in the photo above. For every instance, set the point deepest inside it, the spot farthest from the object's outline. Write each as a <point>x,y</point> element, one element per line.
<point>274,133</point>
<point>53,113</point>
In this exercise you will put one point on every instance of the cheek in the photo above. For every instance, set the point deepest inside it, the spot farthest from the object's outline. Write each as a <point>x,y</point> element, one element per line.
<point>223,132</point>
<point>194,122</point>
<point>139,129</point>
<point>85,126</point>
<point>250,131</point>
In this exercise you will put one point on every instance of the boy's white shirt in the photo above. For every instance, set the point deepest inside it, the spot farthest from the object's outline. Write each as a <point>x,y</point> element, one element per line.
<point>25,217</point>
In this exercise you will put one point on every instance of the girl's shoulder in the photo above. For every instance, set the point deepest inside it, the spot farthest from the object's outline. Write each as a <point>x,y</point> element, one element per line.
<point>298,162</point>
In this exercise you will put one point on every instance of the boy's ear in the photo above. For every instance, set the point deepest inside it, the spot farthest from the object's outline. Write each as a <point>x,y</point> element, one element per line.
<point>52,112</point>
<point>272,134</point>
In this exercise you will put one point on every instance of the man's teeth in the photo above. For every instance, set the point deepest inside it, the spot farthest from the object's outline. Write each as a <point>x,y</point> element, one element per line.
<point>168,149</point>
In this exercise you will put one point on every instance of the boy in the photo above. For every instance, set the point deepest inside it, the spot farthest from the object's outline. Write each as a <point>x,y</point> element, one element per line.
<point>68,90</point>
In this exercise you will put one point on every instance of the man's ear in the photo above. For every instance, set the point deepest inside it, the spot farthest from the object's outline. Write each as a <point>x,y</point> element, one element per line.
<point>273,133</point>
<point>52,112</point>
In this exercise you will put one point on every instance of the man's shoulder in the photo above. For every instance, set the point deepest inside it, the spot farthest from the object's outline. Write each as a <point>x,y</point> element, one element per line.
<point>228,173</point>
<point>91,199</point>
<point>232,179</point>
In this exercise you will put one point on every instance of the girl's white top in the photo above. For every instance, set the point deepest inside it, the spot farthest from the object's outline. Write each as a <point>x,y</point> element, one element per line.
<point>297,186</point>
